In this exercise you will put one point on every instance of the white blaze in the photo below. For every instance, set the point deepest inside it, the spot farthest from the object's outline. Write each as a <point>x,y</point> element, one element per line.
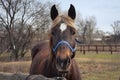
<point>63,27</point>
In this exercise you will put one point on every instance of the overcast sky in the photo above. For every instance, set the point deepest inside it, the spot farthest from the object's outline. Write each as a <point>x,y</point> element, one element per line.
<point>105,11</point>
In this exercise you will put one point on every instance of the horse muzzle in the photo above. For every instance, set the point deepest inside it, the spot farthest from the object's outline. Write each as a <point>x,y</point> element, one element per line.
<point>63,52</point>
<point>63,64</point>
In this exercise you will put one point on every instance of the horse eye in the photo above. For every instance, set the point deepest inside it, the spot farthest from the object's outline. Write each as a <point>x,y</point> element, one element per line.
<point>53,33</point>
<point>72,32</point>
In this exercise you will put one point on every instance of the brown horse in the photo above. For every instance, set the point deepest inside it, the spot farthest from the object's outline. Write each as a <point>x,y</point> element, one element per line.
<point>55,58</point>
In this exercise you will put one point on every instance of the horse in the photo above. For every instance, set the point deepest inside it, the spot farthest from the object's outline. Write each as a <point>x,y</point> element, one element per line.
<point>55,58</point>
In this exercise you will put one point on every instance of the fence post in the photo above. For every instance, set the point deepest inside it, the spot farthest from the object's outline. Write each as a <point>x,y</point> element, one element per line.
<point>111,49</point>
<point>96,49</point>
<point>88,47</point>
<point>80,48</point>
<point>84,49</point>
<point>103,47</point>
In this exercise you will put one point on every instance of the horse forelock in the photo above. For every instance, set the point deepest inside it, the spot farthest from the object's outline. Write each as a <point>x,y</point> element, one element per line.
<point>66,19</point>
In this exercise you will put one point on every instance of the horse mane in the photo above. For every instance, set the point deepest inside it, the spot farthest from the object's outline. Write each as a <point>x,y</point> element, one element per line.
<point>65,19</point>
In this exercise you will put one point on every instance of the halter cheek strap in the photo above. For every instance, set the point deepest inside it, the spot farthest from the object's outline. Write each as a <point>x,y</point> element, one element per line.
<point>66,43</point>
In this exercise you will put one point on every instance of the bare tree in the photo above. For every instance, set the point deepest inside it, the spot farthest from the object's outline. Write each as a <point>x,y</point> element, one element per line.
<point>42,20</point>
<point>116,30</point>
<point>9,9</point>
<point>19,17</point>
<point>90,28</point>
<point>80,22</point>
<point>86,28</point>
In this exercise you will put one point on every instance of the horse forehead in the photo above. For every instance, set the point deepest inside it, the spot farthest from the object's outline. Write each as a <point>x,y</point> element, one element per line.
<point>63,19</point>
<point>63,27</point>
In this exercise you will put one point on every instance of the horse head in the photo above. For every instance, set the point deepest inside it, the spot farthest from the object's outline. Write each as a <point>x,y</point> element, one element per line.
<point>62,38</point>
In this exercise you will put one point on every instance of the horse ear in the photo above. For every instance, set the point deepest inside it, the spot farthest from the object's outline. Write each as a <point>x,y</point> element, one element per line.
<point>53,12</point>
<point>72,12</point>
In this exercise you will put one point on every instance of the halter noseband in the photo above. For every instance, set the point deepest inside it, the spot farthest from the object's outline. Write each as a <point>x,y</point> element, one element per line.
<point>66,43</point>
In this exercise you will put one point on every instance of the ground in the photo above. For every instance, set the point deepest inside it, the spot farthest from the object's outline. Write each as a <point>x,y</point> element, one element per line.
<point>102,66</point>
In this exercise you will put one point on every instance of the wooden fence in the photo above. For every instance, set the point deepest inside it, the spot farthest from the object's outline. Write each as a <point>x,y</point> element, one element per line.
<point>22,76</point>
<point>98,48</point>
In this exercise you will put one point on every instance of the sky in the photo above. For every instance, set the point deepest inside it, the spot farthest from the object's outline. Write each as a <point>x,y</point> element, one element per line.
<point>105,11</point>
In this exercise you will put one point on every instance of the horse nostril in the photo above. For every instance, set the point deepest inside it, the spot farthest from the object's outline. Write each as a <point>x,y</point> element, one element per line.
<point>64,63</point>
<point>68,60</point>
<point>58,60</point>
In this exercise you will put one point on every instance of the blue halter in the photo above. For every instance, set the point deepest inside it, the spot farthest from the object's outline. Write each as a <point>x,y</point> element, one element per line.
<point>66,43</point>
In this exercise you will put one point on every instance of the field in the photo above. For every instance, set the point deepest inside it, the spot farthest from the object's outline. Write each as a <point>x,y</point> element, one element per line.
<point>102,66</point>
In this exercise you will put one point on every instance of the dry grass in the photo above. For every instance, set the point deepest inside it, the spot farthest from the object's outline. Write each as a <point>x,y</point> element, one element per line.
<point>99,66</point>
<point>92,66</point>
<point>21,66</point>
